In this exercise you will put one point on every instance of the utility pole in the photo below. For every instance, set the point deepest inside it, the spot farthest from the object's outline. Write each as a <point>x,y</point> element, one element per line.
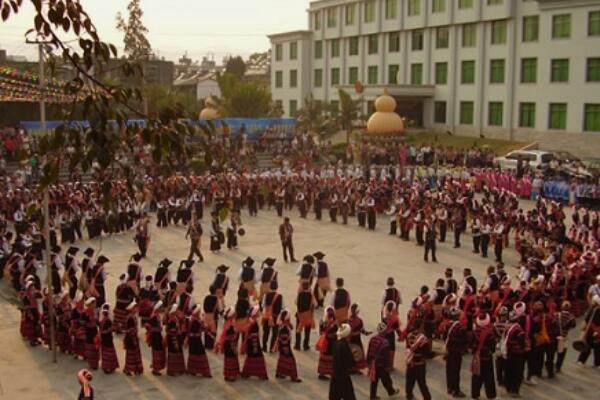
<point>46,212</point>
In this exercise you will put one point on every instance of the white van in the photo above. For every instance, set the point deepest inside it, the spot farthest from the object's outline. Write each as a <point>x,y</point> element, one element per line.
<point>535,159</point>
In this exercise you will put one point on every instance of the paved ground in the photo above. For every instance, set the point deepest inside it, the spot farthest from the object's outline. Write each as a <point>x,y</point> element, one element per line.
<point>365,259</point>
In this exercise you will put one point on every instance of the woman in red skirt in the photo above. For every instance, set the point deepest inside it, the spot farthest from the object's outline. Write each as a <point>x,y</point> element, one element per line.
<point>286,363</point>
<point>328,330</point>
<point>154,339</point>
<point>254,365</point>
<point>133,356</point>
<point>124,295</point>
<point>175,360</point>
<point>107,347</point>
<point>31,327</point>
<point>90,324</point>
<point>358,329</point>
<point>63,322</point>
<point>197,360</point>
<point>227,344</point>
<point>77,330</point>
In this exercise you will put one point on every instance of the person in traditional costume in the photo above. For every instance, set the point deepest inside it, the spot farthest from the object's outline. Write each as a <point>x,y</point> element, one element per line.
<point>90,324</point>
<point>210,316</point>
<point>108,354</point>
<point>340,386</point>
<point>417,349</point>
<point>322,285</point>
<point>391,318</point>
<point>133,356</point>
<point>124,295</point>
<point>327,329</point>
<point>456,345</point>
<point>378,362</point>
<point>215,233</point>
<point>134,273</point>
<point>512,348</point>
<point>591,333</point>
<point>71,269</point>
<point>221,284</point>
<point>86,270</point>
<point>174,339</point>
<point>147,299</point>
<point>197,360</point>
<point>358,329</point>
<point>566,321</point>
<point>483,345</point>
<point>154,339</point>
<point>185,276</point>
<point>227,344</point>
<point>232,232</point>
<point>247,277</point>
<point>32,329</point>
<point>286,231</point>
<point>286,362</point>
<point>98,274</point>
<point>254,364</point>
<point>142,234</point>
<point>340,301</point>
<point>77,330</point>
<point>267,275</point>
<point>63,322</point>
<point>271,306</point>
<point>55,266</point>
<point>84,377</point>
<point>161,276</point>
<point>195,234</point>
<point>242,311</point>
<point>305,306</point>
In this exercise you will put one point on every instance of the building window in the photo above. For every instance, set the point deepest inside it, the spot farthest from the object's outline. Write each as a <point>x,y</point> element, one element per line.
<point>593,70</point>
<point>317,21</point>
<point>497,71</point>
<point>293,50</point>
<point>352,75</point>
<point>293,78</point>
<point>527,115</point>
<point>332,17</point>
<point>370,11</point>
<point>335,48</point>
<point>353,46</point>
<point>278,79</point>
<point>494,2</point>
<point>441,73</point>
<point>529,70</point>
<point>469,35</point>
<point>318,78</point>
<point>335,107</point>
<point>462,4</point>
<point>417,40</point>
<point>561,26</point>
<point>442,37</point>
<point>466,112</point>
<point>414,7</point>
<point>390,9</point>
<point>592,118</point>
<point>278,52</point>
<point>393,74</point>
<point>498,32</point>
<point>350,11</point>
<point>531,28</point>
<point>439,114</point>
<point>293,108</point>
<point>318,49</point>
<point>594,23</point>
<point>495,113</point>
<point>416,74</point>
<point>438,6</point>
<point>559,70</point>
<point>557,116</point>
<point>373,44</point>
<point>335,76</point>
<point>467,75</point>
<point>373,72</point>
<point>394,42</point>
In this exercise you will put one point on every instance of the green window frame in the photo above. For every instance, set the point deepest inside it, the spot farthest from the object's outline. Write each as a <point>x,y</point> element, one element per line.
<point>439,112</point>
<point>317,20</point>
<point>559,70</point>
<point>332,17</point>
<point>464,4</point>
<point>561,26</point>
<point>391,9</point>
<point>441,73</point>
<point>373,43</point>
<point>591,121</point>
<point>592,73</point>
<point>293,107</point>
<point>531,28</point>
<point>335,76</point>
<point>495,113</point>
<point>394,42</point>
<point>293,78</point>
<point>557,116</point>
<point>293,50</point>
<point>416,39</point>
<point>393,70</point>
<point>594,23</point>
<point>334,107</point>
<point>416,74</point>
<point>370,11</point>
<point>466,112</point>
<point>335,48</point>
<point>350,14</point>
<point>318,49</point>
<point>527,115</point>
<point>528,70</point>
<point>469,35</point>
<point>414,7</point>
<point>467,72</point>
<point>442,37</point>
<point>373,75</point>
<point>494,2</point>
<point>352,75</point>
<point>499,32</point>
<point>497,71</point>
<point>438,6</point>
<point>318,79</point>
<point>278,52</point>
<point>353,46</point>
<point>278,79</point>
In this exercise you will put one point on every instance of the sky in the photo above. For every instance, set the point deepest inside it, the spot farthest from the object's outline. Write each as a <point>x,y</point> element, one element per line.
<point>200,27</point>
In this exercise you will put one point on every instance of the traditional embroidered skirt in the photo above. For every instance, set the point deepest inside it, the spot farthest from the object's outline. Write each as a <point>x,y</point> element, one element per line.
<point>175,363</point>
<point>286,366</point>
<point>63,340</point>
<point>325,366</point>
<point>92,355</point>
<point>78,347</point>
<point>120,318</point>
<point>198,365</point>
<point>133,361</point>
<point>159,360</point>
<point>231,368</point>
<point>31,330</point>
<point>255,366</point>
<point>109,358</point>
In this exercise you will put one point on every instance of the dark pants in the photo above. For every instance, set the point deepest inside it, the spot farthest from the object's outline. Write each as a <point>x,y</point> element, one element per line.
<point>419,236</point>
<point>306,342</point>
<point>416,374</point>
<point>486,378</point>
<point>513,375</point>
<point>393,227</point>
<point>500,371</point>
<point>383,375</point>
<point>476,241</point>
<point>340,388</point>
<point>443,227</point>
<point>498,249</point>
<point>279,209</point>
<point>287,245</point>
<point>430,246</point>
<point>333,214</point>
<point>142,242</point>
<point>535,361</point>
<point>195,250</point>
<point>549,352</point>
<point>457,232</point>
<point>595,347</point>
<point>485,242</point>
<point>453,364</point>
<point>560,359</point>
<point>162,219</point>
<point>267,329</point>
<point>318,212</point>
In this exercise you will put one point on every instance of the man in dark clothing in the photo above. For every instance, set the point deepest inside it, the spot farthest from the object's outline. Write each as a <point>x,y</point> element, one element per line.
<point>340,386</point>
<point>378,360</point>
<point>285,234</point>
<point>417,345</point>
<point>456,345</point>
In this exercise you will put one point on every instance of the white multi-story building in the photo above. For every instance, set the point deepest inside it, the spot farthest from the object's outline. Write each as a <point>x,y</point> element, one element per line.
<point>520,69</point>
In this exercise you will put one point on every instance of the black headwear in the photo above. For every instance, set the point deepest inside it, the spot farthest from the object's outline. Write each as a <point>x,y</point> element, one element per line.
<point>136,257</point>
<point>222,268</point>
<point>319,255</point>
<point>102,260</point>
<point>73,250</point>
<point>269,261</point>
<point>248,262</point>
<point>89,252</point>
<point>165,263</point>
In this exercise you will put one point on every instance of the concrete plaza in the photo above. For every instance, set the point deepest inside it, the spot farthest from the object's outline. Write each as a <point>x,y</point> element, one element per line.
<point>364,258</point>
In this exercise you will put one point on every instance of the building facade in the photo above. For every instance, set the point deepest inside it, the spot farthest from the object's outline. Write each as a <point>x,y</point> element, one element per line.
<point>514,69</point>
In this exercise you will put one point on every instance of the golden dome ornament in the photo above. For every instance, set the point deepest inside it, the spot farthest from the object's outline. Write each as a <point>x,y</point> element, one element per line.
<point>384,120</point>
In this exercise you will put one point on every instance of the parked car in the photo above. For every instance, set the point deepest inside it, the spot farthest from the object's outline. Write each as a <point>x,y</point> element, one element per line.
<point>535,159</point>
